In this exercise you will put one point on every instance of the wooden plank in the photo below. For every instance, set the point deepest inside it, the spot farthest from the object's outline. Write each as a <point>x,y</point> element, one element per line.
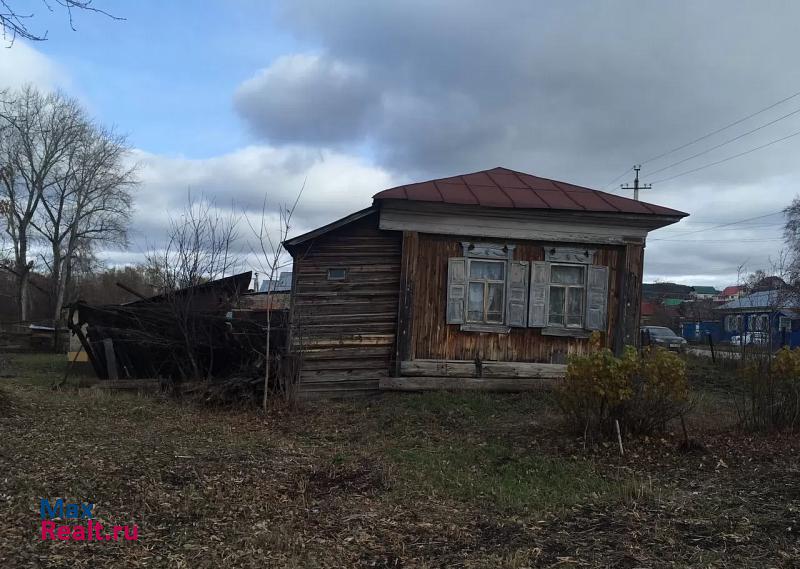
<point>111,359</point>
<point>405,311</point>
<point>524,226</point>
<point>366,363</point>
<point>355,340</point>
<point>463,383</point>
<point>342,375</point>
<point>459,368</point>
<point>345,353</point>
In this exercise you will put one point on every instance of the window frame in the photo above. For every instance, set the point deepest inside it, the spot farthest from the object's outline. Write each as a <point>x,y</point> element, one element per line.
<point>503,284</point>
<point>337,279</point>
<point>581,287</point>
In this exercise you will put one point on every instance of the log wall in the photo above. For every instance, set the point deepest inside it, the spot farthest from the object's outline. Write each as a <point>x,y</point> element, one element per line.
<point>345,330</point>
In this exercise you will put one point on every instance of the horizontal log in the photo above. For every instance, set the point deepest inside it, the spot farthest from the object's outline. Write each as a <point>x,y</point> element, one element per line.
<point>463,383</point>
<point>368,292</point>
<point>371,363</point>
<point>310,342</point>
<point>311,318</point>
<point>321,269</point>
<point>346,353</point>
<point>462,368</point>
<point>345,306</point>
<point>339,375</point>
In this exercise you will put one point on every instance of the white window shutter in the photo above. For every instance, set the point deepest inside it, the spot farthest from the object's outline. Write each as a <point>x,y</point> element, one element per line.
<point>456,289</point>
<point>597,298</point>
<point>540,285</point>
<point>517,298</point>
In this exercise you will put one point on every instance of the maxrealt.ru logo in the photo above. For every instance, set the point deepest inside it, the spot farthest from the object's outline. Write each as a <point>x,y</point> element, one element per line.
<point>87,530</point>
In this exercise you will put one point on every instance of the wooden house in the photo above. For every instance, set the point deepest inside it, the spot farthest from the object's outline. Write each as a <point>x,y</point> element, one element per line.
<point>774,314</point>
<point>487,280</point>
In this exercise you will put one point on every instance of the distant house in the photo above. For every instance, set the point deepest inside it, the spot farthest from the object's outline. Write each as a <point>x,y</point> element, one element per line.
<point>703,292</point>
<point>772,311</point>
<point>672,303</point>
<point>271,294</point>
<point>282,284</point>
<point>730,293</point>
<point>487,280</point>
<point>647,312</point>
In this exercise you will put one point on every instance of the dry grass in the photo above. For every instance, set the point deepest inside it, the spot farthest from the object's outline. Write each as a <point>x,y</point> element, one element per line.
<point>435,480</point>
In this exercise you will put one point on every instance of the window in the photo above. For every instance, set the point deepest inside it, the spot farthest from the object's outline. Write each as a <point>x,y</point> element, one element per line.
<point>486,291</point>
<point>567,293</point>
<point>337,274</point>
<point>489,291</point>
<point>785,324</point>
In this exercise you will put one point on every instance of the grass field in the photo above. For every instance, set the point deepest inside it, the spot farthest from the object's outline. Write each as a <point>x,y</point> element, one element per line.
<point>433,480</point>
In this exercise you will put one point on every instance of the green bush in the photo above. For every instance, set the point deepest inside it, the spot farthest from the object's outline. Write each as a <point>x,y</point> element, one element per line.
<point>641,391</point>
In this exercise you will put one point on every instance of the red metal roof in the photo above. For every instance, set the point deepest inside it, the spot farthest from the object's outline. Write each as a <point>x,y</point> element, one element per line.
<point>501,187</point>
<point>731,290</point>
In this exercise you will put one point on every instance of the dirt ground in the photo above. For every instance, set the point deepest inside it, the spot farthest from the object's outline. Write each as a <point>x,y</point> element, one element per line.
<point>434,480</point>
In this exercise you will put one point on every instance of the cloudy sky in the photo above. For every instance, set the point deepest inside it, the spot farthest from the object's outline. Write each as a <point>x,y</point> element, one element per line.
<point>245,99</point>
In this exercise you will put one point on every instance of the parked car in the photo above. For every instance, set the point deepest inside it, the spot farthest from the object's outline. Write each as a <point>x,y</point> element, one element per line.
<point>750,339</point>
<point>664,338</point>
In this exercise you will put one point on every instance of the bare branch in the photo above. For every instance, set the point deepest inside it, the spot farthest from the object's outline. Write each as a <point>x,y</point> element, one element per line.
<point>14,23</point>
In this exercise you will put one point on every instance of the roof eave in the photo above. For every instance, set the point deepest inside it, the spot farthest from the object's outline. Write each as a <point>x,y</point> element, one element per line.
<point>650,221</point>
<point>292,243</point>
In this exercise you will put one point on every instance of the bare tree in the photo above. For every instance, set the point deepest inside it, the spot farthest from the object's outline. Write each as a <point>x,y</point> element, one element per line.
<point>14,22</point>
<point>37,134</point>
<point>200,247</point>
<point>270,256</point>
<point>89,203</point>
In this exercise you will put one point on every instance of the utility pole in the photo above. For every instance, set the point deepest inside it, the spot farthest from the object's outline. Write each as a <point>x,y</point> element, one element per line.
<point>636,187</point>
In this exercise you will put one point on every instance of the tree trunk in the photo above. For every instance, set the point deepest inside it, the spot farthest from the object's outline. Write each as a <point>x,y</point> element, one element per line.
<point>23,291</point>
<point>266,366</point>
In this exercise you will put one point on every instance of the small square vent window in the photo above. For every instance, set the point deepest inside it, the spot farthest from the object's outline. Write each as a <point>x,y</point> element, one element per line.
<point>337,274</point>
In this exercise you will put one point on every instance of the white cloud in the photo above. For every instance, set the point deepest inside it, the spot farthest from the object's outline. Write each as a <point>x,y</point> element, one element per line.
<point>21,64</point>
<point>336,184</point>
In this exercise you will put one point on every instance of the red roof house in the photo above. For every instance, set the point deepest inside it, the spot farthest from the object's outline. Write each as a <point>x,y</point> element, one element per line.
<point>484,280</point>
<point>731,293</point>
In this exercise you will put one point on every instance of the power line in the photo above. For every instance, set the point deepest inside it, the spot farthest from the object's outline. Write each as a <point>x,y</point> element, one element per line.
<point>728,158</point>
<point>725,224</point>
<point>721,144</point>
<point>618,178</point>
<point>720,240</point>
<point>717,131</point>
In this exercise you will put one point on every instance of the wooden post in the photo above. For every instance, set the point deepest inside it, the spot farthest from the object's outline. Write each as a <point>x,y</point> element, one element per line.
<point>111,359</point>
<point>711,345</point>
<point>622,288</point>
<point>619,438</point>
<point>405,308</point>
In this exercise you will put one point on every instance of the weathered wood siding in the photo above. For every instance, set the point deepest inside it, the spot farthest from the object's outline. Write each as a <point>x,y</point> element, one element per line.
<point>425,335</point>
<point>344,331</point>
